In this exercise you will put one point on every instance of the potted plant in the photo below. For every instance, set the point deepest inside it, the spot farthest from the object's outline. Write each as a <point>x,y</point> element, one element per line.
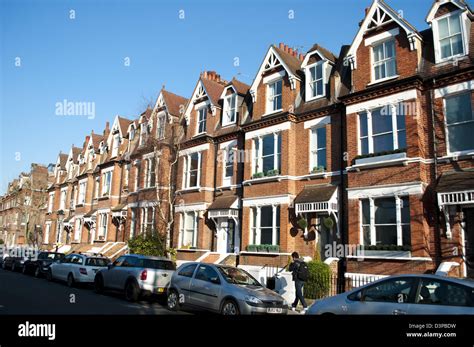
<point>251,248</point>
<point>302,223</point>
<point>318,169</point>
<point>272,173</point>
<point>257,175</point>
<point>328,222</point>
<point>273,248</point>
<point>262,248</point>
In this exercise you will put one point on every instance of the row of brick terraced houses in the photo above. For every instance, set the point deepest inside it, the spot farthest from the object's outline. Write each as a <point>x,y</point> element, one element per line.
<point>372,147</point>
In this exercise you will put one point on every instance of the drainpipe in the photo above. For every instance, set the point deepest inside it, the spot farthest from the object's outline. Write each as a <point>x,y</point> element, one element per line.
<point>342,215</point>
<point>438,258</point>
<point>120,201</point>
<point>216,147</point>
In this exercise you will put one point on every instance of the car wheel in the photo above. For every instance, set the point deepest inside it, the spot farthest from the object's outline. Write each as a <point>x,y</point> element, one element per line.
<point>37,272</point>
<point>70,280</point>
<point>132,292</point>
<point>230,308</point>
<point>99,284</point>
<point>172,301</point>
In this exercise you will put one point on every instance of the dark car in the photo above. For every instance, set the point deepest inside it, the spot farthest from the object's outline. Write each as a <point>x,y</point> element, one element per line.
<point>13,263</point>
<point>41,265</point>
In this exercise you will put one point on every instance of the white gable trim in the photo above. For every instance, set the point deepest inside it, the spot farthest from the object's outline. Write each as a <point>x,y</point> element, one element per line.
<point>438,4</point>
<point>380,102</point>
<point>351,56</point>
<point>224,92</point>
<point>455,88</point>
<point>189,107</point>
<point>258,77</point>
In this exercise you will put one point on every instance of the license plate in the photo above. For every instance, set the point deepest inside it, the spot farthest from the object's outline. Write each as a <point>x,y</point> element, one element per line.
<point>160,290</point>
<point>274,310</point>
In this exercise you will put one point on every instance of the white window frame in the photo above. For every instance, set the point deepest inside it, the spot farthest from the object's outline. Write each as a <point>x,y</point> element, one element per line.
<point>161,126</point>
<point>385,60</point>
<point>446,126</point>
<point>50,203</point>
<point>229,108</point>
<point>183,229</point>
<point>313,147</point>
<point>257,156</point>
<point>149,172</point>
<point>116,144</point>
<point>271,97</point>
<point>62,199</point>
<point>373,234</point>
<point>47,231</point>
<point>143,133</point>
<point>199,121</point>
<point>78,230</point>
<point>227,180</point>
<point>103,225</point>
<point>309,81</point>
<point>395,131</point>
<point>256,230</point>
<point>464,35</point>
<point>187,173</point>
<point>133,222</point>
<point>106,184</point>
<point>81,197</point>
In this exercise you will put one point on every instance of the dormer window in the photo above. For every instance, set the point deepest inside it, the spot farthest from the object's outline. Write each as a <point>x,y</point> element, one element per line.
<point>384,60</point>
<point>450,36</point>
<point>315,84</point>
<point>230,110</point>
<point>274,91</point>
<point>201,122</point>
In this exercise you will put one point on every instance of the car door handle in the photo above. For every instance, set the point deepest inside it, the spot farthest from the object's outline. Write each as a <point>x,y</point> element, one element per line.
<point>399,312</point>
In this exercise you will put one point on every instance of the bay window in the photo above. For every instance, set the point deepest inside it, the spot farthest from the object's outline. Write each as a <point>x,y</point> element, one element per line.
<point>459,122</point>
<point>267,154</point>
<point>265,225</point>
<point>274,92</point>
<point>318,148</point>
<point>189,229</point>
<point>192,170</point>
<point>384,60</point>
<point>450,36</point>
<point>202,118</point>
<point>230,110</point>
<point>385,221</point>
<point>382,129</point>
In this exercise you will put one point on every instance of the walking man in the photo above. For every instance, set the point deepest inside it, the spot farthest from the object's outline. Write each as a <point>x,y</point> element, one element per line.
<point>300,274</point>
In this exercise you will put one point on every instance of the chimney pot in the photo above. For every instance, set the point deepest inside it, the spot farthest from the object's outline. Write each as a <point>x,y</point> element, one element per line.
<point>290,50</point>
<point>286,48</point>
<point>281,46</point>
<point>301,57</point>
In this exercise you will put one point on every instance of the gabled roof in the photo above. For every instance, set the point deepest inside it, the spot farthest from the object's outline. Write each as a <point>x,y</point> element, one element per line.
<point>171,101</point>
<point>275,57</point>
<point>379,13</point>
<point>322,52</point>
<point>239,87</point>
<point>461,4</point>
<point>213,90</point>
<point>96,140</point>
<point>123,125</point>
<point>75,153</point>
<point>62,160</point>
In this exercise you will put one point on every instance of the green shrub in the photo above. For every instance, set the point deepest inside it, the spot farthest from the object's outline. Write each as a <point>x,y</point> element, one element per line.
<point>251,248</point>
<point>319,282</point>
<point>262,248</point>
<point>273,248</point>
<point>148,244</point>
<point>2,242</point>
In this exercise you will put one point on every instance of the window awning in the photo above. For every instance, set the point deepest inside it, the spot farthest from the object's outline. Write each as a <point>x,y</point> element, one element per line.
<point>317,198</point>
<point>119,211</point>
<point>225,206</point>
<point>90,216</point>
<point>455,188</point>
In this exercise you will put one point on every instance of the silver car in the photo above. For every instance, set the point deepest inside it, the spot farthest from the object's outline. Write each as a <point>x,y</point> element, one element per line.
<point>136,275</point>
<point>404,294</point>
<point>224,289</point>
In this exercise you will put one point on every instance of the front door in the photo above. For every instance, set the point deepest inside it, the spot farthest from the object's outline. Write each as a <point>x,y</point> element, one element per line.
<point>225,236</point>
<point>469,241</point>
<point>326,239</point>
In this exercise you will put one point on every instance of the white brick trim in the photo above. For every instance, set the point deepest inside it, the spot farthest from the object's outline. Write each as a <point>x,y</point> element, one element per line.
<point>383,101</point>
<point>268,130</point>
<point>268,200</point>
<point>318,121</point>
<point>454,88</point>
<point>191,207</point>
<point>194,149</point>
<point>415,188</point>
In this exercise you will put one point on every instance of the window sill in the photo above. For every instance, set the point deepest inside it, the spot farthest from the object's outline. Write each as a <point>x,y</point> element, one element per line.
<point>192,250</point>
<point>228,124</point>
<point>264,253</point>
<point>315,98</point>
<point>382,160</point>
<point>469,154</point>
<point>249,182</point>
<point>386,79</point>
<point>103,198</point>
<point>450,60</point>
<point>189,190</point>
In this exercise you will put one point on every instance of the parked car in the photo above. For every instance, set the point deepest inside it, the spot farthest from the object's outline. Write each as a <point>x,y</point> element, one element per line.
<point>41,264</point>
<point>76,268</point>
<point>14,263</point>
<point>404,294</point>
<point>136,275</point>
<point>224,289</point>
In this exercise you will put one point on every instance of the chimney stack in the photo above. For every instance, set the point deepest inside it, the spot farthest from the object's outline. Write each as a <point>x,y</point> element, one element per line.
<point>106,130</point>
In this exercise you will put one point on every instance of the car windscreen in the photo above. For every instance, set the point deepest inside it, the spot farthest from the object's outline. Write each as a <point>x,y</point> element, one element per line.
<point>237,276</point>
<point>159,264</point>
<point>97,262</point>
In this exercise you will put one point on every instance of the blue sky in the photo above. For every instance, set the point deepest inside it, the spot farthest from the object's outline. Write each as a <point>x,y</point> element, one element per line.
<point>83,59</point>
